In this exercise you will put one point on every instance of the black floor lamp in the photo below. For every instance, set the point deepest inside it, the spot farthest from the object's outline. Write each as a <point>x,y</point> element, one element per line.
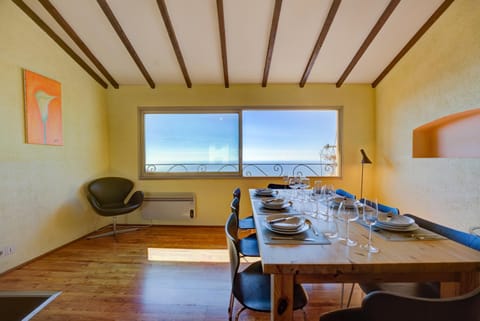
<point>365,160</point>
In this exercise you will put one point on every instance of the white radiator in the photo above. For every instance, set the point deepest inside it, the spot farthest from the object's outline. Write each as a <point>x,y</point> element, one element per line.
<point>168,206</point>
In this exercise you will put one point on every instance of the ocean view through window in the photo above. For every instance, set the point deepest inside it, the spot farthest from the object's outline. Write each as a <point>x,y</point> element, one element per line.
<point>238,142</point>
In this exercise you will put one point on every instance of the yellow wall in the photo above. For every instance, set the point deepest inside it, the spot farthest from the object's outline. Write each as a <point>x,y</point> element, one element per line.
<point>213,196</point>
<point>439,76</point>
<point>42,205</point>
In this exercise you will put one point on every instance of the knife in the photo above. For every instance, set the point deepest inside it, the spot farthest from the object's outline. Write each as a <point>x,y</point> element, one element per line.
<point>281,219</point>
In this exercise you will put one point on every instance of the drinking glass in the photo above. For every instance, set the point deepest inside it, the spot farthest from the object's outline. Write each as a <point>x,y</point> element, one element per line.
<point>370,216</point>
<point>348,212</point>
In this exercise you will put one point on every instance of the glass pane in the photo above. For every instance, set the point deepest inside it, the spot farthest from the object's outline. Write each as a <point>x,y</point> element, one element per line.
<point>290,142</point>
<point>193,143</point>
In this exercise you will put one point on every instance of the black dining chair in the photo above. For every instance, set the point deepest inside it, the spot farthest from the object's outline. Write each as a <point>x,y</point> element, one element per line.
<point>108,197</point>
<point>424,289</point>
<point>247,246</point>
<point>381,306</point>
<point>251,287</point>
<point>278,186</point>
<point>246,223</point>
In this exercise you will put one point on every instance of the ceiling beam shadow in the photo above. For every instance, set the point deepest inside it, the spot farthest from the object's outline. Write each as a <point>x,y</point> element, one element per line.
<point>223,42</point>
<point>321,38</point>
<point>29,12</point>
<point>123,37</point>
<point>441,9</point>
<point>271,40</point>
<point>173,39</point>
<point>74,36</point>
<point>373,33</point>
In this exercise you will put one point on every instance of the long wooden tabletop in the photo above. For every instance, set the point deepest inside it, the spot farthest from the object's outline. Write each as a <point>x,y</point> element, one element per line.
<point>415,260</point>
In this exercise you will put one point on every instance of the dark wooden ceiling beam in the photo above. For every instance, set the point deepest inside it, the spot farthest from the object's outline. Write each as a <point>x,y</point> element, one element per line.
<point>29,12</point>
<point>444,6</point>
<point>173,39</point>
<point>223,42</point>
<point>373,33</point>
<point>79,42</point>
<point>123,37</point>
<point>271,41</point>
<point>321,38</point>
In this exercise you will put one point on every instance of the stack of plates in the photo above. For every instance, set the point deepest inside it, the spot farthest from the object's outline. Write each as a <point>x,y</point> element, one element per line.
<point>348,202</point>
<point>286,224</point>
<point>398,223</point>
<point>264,192</point>
<point>275,203</point>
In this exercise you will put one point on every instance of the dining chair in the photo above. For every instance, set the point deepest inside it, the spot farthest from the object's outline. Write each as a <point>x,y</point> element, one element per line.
<point>381,306</point>
<point>424,289</point>
<point>344,193</point>
<point>246,223</point>
<point>108,197</point>
<point>247,246</point>
<point>278,186</point>
<point>251,287</point>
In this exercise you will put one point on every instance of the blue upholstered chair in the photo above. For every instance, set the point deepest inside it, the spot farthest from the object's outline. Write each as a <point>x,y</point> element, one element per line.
<point>244,223</point>
<point>381,207</point>
<point>247,246</point>
<point>344,193</point>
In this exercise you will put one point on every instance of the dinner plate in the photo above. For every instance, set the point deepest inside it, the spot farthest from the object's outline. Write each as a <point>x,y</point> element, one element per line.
<point>264,192</point>
<point>393,220</point>
<point>408,228</point>
<point>275,204</point>
<point>286,222</point>
<point>301,229</point>
<point>348,202</point>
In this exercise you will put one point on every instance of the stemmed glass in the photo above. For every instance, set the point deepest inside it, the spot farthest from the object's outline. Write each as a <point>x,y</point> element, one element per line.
<point>348,212</point>
<point>370,216</point>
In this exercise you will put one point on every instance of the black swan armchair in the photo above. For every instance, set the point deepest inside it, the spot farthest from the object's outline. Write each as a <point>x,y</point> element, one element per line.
<point>107,195</point>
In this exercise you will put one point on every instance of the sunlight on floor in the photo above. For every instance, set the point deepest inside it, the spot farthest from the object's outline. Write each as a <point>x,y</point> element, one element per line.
<point>188,255</point>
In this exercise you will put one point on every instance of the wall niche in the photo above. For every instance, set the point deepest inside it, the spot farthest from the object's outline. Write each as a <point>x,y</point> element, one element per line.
<point>453,136</point>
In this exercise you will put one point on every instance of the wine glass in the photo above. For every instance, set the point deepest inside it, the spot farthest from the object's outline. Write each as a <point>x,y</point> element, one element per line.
<point>370,216</point>
<point>348,212</point>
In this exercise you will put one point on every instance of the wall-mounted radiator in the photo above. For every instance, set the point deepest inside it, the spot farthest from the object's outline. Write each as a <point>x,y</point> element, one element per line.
<point>169,206</point>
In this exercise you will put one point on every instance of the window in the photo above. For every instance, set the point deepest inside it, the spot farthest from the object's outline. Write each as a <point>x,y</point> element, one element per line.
<point>268,142</point>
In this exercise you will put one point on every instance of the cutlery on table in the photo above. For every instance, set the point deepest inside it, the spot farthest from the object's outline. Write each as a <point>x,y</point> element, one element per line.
<point>281,219</point>
<point>311,226</point>
<point>291,238</point>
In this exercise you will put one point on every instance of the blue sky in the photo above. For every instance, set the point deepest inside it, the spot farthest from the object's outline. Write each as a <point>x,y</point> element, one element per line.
<point>268,136</point>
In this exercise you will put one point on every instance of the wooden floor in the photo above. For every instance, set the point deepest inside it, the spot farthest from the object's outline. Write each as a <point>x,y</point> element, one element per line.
<point>103,279</point>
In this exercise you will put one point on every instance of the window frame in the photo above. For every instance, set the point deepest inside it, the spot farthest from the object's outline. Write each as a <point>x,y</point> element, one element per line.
<point>142,111</point>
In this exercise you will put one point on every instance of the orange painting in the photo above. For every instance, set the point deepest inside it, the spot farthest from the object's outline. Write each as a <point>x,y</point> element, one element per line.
<point>43,110</point>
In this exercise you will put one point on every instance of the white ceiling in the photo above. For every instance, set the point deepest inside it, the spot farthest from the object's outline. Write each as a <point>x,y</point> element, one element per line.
<point>247,29</point>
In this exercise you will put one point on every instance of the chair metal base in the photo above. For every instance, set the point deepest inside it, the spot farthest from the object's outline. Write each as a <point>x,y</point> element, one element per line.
<point>113,232</point>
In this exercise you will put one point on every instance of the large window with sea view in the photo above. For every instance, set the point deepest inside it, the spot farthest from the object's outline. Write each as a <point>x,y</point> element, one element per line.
<point>239,142</point>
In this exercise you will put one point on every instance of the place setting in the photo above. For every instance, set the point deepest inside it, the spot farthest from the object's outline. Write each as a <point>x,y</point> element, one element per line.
<point>291,229</point>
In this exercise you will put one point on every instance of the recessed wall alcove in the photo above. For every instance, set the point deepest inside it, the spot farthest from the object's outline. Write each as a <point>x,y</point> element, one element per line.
<point>455,135</point>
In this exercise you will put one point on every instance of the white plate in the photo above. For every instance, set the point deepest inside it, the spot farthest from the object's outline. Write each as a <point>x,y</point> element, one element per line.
<point>264,192</point>
<point>393,220</point>
<point>291,222</point>
<point>409,228</point>
<point>276,204</point>
<point>302,229</point>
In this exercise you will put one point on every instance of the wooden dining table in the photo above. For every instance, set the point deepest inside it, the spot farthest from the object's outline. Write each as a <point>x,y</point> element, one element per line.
<point>457,267</point>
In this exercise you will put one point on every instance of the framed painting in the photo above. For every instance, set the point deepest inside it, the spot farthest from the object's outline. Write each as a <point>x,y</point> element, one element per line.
<point>43,110</point>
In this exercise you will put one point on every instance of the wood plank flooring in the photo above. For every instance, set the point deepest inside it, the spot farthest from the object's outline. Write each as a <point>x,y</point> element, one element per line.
<point>103,279</point>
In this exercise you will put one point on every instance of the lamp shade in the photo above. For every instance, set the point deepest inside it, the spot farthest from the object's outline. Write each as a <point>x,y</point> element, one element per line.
<point>365,159</point>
